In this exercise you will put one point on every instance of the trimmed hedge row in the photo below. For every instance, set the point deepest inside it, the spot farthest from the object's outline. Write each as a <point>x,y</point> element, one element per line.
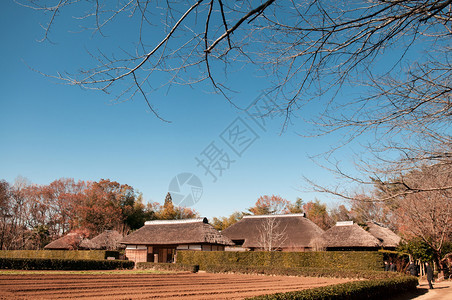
<point>63,264</point>
<point>357,290</point>
<point>340,260</point>
<point>167,267</point>
<point>60,254</point>
<point>311,272</point>
<point>380,284</point>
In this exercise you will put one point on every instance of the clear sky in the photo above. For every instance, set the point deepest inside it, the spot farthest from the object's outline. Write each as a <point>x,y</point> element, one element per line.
<point>49,131</point>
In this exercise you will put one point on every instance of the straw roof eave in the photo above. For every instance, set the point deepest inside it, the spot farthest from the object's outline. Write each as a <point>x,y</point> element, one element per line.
<point>351,236</point>
<point>109,239</point>
<point>177,233</point>
<point>298,230</point>
<point>387,237</point>
<point>70,241</point>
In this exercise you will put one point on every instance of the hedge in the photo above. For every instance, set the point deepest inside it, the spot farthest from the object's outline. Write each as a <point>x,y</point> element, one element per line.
<point>60,254</point>
<point>311,272</point>
<point>63,264</point>
<point>340,260</point>
<point>167,267</point>
<point>379,284</point>
<point>357,290</point>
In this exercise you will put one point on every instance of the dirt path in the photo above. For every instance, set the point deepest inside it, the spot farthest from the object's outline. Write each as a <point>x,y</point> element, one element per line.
<point>147,286</point>
<point>441,291</point>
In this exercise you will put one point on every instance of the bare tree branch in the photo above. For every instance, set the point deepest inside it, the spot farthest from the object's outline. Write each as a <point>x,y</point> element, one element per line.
<point>375,68</point>
<point>271,234</point>
<point>144,96</point>
<point>258,10</point>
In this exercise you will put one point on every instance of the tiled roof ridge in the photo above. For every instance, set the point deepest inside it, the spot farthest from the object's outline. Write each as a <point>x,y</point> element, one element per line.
<point>181,221</point>
<point>276,216</point>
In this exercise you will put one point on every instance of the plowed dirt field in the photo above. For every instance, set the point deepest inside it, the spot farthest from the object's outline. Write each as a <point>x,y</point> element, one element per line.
<point>148,286</point>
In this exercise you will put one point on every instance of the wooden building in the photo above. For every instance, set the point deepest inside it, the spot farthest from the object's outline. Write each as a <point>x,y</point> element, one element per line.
<point>290,232</point>
<point>71,241</point>
<point>388,239</point>
<point>346,236</point>
<point>107,240</point>
<point>159,241</point>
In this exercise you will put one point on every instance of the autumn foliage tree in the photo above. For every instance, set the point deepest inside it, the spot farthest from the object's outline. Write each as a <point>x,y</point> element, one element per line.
<point>318,213</point>
<point>270,205</point>
<point>265,205</point>
<point>60,199</point>
<point>297,207</point>
<point>171,212</point>
<point>32,215</point>
<point>222,223</point>
<point>140,213</point>
<point>105,205</point>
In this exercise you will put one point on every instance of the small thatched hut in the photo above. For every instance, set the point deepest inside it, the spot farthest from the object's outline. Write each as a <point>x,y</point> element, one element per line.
<point>388,239</point>
<point>346,236</point>
<point>70,241</point>
<point>107,240</point>
<point>291,232</point>
<point>158,241</point>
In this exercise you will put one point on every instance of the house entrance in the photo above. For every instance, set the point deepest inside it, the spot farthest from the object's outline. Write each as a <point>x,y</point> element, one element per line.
<point>161,254</point>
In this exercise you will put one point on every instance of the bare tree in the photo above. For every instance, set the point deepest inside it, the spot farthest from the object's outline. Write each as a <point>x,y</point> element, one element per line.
<point>16,218</point>
<point>427,215</point>
<point>271,234</point>
<point>415,205</point>
<point>365,208</point>
<point>395,53</point>
<point>4,212</point>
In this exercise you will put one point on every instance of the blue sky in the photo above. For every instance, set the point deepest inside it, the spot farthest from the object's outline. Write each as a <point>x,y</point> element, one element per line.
<point>49,130</point>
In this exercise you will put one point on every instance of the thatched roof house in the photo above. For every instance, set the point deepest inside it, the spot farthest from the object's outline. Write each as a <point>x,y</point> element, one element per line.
<point>387,238</point>
<point>70,241</point>
<point>291,232</point>
<point>157,241</point>
<point>107,240</point>
<point>346,236</point>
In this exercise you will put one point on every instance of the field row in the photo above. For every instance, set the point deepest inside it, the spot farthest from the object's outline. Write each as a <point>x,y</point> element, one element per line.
<point>145,286</point>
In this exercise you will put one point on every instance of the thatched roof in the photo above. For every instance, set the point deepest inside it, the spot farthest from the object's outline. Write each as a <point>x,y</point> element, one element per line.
<point>107,240</point>
<point>70,241</point>
<point>177,232</point>
<point>297,229</point>
<point>384,234</point>
<point>346,235</point>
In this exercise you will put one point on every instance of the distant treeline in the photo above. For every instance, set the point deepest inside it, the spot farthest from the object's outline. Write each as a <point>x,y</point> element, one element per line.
<point>33,215</point>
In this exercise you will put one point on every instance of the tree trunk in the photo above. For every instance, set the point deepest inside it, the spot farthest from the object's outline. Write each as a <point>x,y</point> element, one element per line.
<point>437,264</point>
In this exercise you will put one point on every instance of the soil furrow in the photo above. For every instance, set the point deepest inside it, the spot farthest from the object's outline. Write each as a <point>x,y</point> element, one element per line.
<point>146,286</point>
